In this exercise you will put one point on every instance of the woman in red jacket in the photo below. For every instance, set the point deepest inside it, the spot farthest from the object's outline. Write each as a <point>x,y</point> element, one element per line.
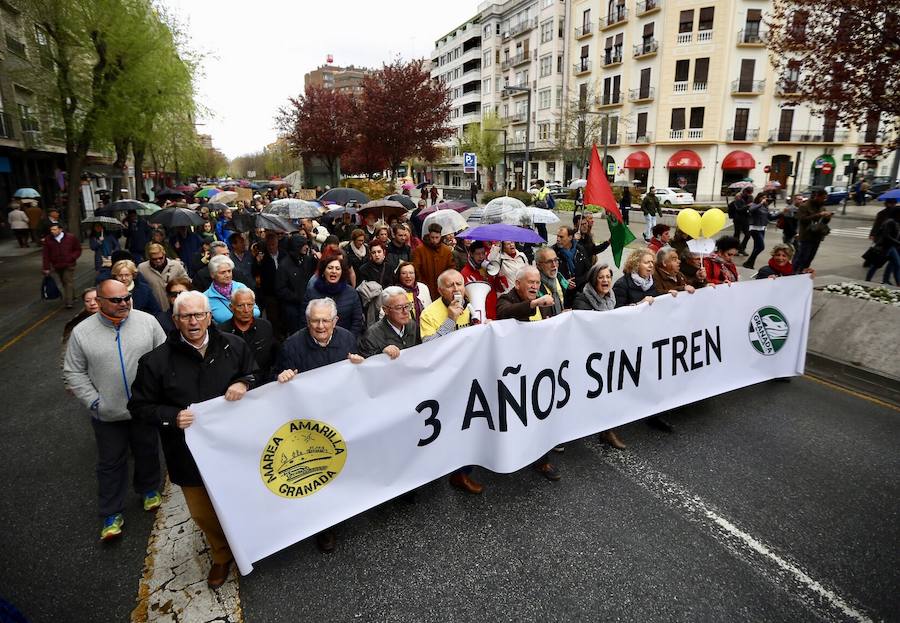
<point>719,265</point>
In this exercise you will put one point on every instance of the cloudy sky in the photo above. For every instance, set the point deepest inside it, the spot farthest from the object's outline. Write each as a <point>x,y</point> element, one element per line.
<point>257,51</point>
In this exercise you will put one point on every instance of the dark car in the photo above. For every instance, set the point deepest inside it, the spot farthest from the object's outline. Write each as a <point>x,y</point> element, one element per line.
<point>836,195</point>
<point>879,184</point>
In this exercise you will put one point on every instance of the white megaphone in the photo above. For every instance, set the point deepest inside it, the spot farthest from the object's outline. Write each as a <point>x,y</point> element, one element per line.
<point>477,293</point>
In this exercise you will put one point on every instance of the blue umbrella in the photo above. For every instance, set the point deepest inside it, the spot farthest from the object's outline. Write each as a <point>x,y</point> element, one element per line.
<point>27,193</point>
<point>499,231</point>
<point>891,194</point>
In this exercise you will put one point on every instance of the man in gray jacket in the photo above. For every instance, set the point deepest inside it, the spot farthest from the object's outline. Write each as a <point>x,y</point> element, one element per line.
<point>99,368</point>
<point>395,331</point>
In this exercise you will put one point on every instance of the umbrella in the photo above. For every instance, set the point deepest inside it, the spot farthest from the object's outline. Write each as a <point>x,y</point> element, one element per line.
<point>185,188</point>
<point>384,207</point>
<point>506,233</point>
<point>499,206</point>
<point>408,203</point>
<point>772,185</point>
<point>740,185</point>
<point>408,186</point>
<point>215,206</point>
<point>474,215</point>
<point>293,208</point>
<point>529,215</point>
<point>169,193</point>
<point>208,192</point>
<point>336,211</point>
<point>27,193</point>
<point>272,222</point>
<point>457,206</point>
<point>891,194</point>
<point>450,221</point>
<point>578,184</point>
<point>226,196</point>
<point>106,221</point>
<point>176,217</point>
<point>422,185</point>
<point>122,205</point>
<point>343,195</point>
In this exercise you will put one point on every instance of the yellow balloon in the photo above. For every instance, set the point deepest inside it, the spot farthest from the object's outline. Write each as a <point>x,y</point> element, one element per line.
<point>712,222</point>
<point>688,221</point>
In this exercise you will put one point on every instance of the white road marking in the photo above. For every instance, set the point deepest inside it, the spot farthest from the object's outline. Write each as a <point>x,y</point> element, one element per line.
<point>855,232</point>
<point>776,568</point>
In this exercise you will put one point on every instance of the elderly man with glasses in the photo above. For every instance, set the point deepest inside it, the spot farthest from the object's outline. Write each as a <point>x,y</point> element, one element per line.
<point>197,363</point>
<point>256,332</point>
<point>100,364</point>
<point>395,331</point>
<point>552,282</point>
<point>158,271</point>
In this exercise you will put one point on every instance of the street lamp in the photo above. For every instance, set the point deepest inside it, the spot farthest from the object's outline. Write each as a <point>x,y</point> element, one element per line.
<point>504,152</point>
<point>520,89</point>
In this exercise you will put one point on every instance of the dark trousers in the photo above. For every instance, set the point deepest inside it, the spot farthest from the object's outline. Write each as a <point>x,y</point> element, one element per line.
<point>742,233</point>
<point>541,230</point>
<point>892,268</point>
<point>789,231</point>
<point>625,210</point>
<point>806,254</point>
<point>113,441</point>
<point>22,236</point>
<point>759,243</point>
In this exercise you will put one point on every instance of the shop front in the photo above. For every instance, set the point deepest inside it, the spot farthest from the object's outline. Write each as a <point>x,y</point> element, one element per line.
<point>823,168</point>
<point>684,168</point>
<point>736,167</point>
<point>638,165</point>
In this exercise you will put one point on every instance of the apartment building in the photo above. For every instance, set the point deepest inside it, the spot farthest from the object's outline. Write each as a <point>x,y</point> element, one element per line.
<point>693,101</point>
<point>348,79</point>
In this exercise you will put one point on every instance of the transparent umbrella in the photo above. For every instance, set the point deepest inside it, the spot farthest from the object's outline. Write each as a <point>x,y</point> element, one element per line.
<point>293,208</point>
<point>450,221</point>
<point>529,215</point>
<point>496,208</point>
<point>578,184</point>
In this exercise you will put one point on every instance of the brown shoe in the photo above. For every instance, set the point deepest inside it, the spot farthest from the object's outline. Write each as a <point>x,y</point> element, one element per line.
<point>463,482</point>
<point>218,573</point>
<point>612,439</point>
<point>326,541</point>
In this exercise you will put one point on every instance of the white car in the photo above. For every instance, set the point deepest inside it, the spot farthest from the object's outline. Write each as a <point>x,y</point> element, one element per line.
<point>673,197</point>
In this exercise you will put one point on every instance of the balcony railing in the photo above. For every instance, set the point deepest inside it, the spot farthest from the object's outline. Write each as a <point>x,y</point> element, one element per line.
<point>610,99</point>
<point>15,46</point>
<point>612,58</point>
<point>639,137</point>
<point>6,129</point>
<point>582,66</point>
<point>752,36</point>
<point>522,58</point>
<point>872,138</point>
<point>645,6</point>
<point>699,87</point>
<point>585,30</point>
<point>521,27</point>
<point>684,37</point>
<point>741,134</point>
<point>519,117</point>
<point>29,124</point>
<point>786,87</point>
<point>680,86</point>
<point>619,15</point>
<point>816,136</point>
<point>745,87</point>
<point>650,46</point>
<point>704,36</point>
<point>689,134</point>
<point>641,95</point>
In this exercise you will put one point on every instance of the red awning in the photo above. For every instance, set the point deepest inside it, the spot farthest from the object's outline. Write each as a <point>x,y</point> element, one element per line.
<point>637,160</point>
<point>685,159</point>
<point>738,160</point>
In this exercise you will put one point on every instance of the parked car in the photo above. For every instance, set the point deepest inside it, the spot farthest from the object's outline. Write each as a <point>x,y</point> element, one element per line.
<point>836,194</point>
<point>672,197</point>
<point>880,184</point>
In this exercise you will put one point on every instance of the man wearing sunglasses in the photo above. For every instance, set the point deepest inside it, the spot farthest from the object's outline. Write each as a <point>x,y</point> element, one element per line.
<point>100,365</point>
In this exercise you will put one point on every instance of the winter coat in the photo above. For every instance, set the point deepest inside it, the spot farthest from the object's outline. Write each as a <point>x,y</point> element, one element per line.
<point>719,270</point>
<point>157,279</point>
<point>650,205</point>
<point>18,219</point>
<point>505,266</point>
<point>103,248</point>
<point>221,306</point>
<point>142,297</point>
<point>382,274</point>
<point>430,263</point>
<point>349,307</point>
<point>664,281</point>
<point>62,254</point>
<point>628,292</point>
<point>291,280</point>
<point>759,215</point>
<point>511,305</point>
<point>174,376</point>
<point>396,254</point>
<point>302,353</point>
<point>583,263</point>
<point>260,337</point>
<point>138,235</point>
<point>381,335</point>
<point>186,247</point>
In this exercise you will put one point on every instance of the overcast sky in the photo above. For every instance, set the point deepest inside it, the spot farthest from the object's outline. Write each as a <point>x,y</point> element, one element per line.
<point>258,51</point>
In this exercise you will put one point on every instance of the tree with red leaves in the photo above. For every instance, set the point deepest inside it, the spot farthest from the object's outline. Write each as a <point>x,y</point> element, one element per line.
<point>364,158</point>
<point>839,57</point>
<point>404,111</point>
<point>322,123</point>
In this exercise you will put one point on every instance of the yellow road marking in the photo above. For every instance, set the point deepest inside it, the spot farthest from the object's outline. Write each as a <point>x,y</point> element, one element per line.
<point>851,392</point>
<point>30,329</point>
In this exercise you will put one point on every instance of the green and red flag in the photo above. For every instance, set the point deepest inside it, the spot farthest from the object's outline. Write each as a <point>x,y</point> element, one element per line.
<point>598,193</point>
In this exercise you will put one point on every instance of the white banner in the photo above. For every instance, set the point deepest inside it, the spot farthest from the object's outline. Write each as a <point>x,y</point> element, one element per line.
<point>290,460</point>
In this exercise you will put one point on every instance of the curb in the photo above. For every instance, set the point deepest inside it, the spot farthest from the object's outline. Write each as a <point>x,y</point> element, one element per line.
<point>855,378</point>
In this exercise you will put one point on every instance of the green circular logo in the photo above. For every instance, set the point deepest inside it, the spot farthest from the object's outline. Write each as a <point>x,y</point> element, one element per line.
<point>769,330</point>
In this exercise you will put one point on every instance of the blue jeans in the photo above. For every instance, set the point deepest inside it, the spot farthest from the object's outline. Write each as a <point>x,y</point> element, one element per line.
<point>759,243</point>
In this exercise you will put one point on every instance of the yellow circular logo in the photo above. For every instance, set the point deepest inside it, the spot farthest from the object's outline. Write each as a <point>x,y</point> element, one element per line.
<point>302,457</point>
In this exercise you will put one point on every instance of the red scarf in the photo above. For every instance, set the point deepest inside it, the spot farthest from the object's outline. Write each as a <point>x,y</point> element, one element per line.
<point>782,270</point>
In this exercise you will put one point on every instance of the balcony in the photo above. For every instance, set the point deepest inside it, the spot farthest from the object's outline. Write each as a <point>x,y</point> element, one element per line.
<point>639,138</point>
<point>523,27</point>
<point>518,59</point>
<point>583,66</point>
<point>15,46</point>
<point>699,87</point>
<point>647,6</point>
<point>752,37</point>
<point>586,30</point>
<point>680,86</point>
<point>704,36</point>
<point>645,48</point>
<point>29,124</point>
<point>612,58</point>
<point>811,136</point>
<point>519,117</point>
<point>741,135</point>
<point>647,94</point>
<point>748,87</point>
<point>786,88</point>
<point>618,16</point>
<point>691,134</point>
<point>6,129</point>
<point>684,38</point>
<point>521,85</point>
<point>610,99</point>
<point>872,138</point>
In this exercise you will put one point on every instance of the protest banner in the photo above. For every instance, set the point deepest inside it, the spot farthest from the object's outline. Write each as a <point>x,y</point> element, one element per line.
<point>289,460</point>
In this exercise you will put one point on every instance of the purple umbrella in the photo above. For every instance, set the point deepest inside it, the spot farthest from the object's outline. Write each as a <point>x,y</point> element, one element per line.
<point>498,231</point>
<point>458,205</point>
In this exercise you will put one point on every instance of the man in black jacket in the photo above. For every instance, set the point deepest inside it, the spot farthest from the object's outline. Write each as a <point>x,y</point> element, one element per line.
<point>267,259</point>
<point>256,332</point>
<point>398,249</point>
<point>196,363</point>
<point>574,262</point>
<point>291,281</point>
<point>739,210</point>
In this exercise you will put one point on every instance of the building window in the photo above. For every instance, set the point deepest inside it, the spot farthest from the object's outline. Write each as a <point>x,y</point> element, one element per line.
<point>686,21</point>
<point>798,25</point>
<point>487,31</point>
<point>697,115</point>
<point>546,65</point>
<point>559,64</point>
<point>741,120</point>
<point>677,119</point>
<point>586,21</point>
<point>486,86</point>
<point>582,95</point>
<point>706,18</point>
<point>682,67</point>
<point>559,97</point>
<point>544,99</point>
<point>701,73</point>
<point>613,130</point>
<point>488,57</point>
<point>785,124</point>
<point>543,131</point>
<point>829,126</point>
<point>641,125</point>
<point>547,31</point>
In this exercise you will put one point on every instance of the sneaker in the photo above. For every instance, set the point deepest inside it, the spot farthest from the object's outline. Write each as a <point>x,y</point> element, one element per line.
<point>152,500</point>
<point>112,527</point>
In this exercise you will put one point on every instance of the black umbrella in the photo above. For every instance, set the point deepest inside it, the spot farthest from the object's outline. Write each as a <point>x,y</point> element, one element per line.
<point>176,217</point>
<point>272,222</point>
<point>408,203</point>
<point>122,205</point>
<point>169,193</point>
<point>343,195</point>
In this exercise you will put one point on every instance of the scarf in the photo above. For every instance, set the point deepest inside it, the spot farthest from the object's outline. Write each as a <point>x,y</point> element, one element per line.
<point>726,267</point>
<point>417,304</point>
<point>223,290</point>
<point>569,255</point>
<point>782,270</point>
<point>644,284</point>
<point>551,286</point>
<point>361,253</point>
<point>329,289</point>
<point>598,301</point>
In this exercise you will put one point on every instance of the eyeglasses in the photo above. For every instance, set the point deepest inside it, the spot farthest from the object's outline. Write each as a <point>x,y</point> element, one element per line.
<point>318,321</point>
<point>396,308</point>
<point>116,300</point>
<point>198,316</point>
<point>553,261</point>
